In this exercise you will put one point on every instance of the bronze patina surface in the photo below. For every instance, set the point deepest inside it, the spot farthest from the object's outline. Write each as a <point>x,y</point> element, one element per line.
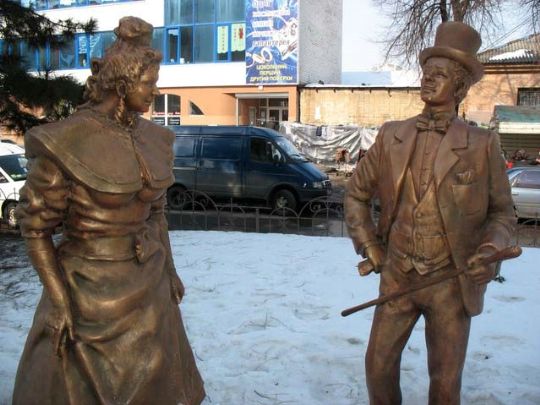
<point>107,329</point>
<point>445,205</point>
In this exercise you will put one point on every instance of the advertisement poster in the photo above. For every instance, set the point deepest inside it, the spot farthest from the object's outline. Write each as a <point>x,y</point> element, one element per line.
<point>271,41</point>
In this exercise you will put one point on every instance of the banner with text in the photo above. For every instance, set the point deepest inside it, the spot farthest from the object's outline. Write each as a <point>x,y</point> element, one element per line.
<point>271,41</point>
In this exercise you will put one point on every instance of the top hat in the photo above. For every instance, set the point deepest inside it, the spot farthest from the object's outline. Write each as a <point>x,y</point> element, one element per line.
<point>457,41</point>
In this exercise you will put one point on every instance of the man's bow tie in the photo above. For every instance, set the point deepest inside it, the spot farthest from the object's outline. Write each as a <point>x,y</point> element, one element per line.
<point>423,123</point>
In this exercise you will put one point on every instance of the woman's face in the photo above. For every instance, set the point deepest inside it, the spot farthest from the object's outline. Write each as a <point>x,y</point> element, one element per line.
<point>140,98</point>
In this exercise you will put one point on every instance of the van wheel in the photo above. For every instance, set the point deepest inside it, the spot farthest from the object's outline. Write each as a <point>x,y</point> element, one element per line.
<point>9,214</point>
<point>284,199</point>
<point>176,197</point>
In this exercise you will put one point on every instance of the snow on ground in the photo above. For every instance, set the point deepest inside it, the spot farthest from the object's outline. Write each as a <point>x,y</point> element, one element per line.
<point>262,312</point>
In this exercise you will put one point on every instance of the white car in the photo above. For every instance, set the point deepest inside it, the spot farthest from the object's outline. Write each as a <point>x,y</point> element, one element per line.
<point>12,178</point>
<point>525,183</point>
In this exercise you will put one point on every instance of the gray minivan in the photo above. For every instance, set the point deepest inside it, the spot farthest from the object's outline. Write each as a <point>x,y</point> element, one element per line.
<point>243,162</point>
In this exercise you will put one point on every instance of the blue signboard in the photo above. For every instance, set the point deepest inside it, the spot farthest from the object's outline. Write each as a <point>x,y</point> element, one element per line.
<point>271,41</point>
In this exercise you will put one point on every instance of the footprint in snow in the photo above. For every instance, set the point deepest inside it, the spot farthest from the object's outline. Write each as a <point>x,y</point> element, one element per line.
<point>507,298</point>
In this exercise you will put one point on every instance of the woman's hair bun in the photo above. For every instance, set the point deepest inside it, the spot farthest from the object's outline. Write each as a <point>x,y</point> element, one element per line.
<point>134,31</point>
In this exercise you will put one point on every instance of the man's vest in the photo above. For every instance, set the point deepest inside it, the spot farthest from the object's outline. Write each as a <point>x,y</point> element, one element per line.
<point>417,238</point>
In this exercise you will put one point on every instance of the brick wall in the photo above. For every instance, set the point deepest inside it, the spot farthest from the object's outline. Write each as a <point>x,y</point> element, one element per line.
<point>358,106</point>
<point>499,86</point>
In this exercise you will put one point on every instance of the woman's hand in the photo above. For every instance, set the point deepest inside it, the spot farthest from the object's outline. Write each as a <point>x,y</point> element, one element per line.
<point>177,288</point>
<point>61,323</point>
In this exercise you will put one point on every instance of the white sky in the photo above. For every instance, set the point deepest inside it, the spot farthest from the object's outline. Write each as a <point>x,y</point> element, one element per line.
<point>364,24</point>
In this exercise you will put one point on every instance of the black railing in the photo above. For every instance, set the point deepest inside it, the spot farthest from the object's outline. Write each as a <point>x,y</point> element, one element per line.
<point>321,216</point>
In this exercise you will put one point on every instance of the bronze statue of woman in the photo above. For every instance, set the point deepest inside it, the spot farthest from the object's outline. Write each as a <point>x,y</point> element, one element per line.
<point>107,329</point>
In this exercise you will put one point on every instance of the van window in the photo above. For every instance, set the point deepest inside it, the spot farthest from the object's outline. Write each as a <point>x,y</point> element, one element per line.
<point>262,150</point>
<point>221,148</point>
<point>14,166</point>
<point>184,146</point>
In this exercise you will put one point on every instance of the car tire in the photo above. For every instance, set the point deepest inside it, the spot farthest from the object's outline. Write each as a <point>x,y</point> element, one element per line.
<point>9,215</point>
<point>176,197</point>
<point>284,199</point>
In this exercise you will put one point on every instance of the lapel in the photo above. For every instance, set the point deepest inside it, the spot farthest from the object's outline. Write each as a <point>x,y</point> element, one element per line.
<point>455,138</point>
<point>400,153</point>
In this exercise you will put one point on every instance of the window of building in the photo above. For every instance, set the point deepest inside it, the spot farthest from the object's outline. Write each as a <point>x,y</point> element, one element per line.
<point>63,57</point>
<point>230,10</point>
<point>159,105</point>
<point>529,97</point>
<point>194,109</point>
<point>27,55</point>
<point>173,45</point>
<point>200,31</point>
<point>157,40</point>
<point>100,41</point>
<point>166,109</point>
<point>82,50</point>
<point>52,4</point>
<point>204,11</point>
<point>203,44</point>
<point>43,63</point>
<point>186,45</point>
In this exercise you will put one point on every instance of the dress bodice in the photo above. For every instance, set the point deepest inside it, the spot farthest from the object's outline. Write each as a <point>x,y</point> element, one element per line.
<point>94,177</point>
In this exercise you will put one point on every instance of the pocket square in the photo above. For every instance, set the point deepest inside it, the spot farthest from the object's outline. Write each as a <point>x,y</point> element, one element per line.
<point>466,177</point>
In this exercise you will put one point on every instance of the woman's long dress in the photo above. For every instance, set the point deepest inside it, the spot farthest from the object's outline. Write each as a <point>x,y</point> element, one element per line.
<point>106,186</point>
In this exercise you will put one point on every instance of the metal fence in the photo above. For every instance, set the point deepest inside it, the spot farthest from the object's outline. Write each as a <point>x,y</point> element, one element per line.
<point>321,216</point>
<point>528,233</point>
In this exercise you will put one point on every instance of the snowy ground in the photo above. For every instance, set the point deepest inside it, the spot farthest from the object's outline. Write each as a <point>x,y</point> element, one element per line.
<point>263,315</point>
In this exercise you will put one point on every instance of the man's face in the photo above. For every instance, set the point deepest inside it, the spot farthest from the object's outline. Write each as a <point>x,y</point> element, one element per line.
<point>438,86</point>
<point>141,97</point>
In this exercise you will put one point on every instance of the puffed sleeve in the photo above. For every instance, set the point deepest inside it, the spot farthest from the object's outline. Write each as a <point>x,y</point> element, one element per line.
<point>43,199</point>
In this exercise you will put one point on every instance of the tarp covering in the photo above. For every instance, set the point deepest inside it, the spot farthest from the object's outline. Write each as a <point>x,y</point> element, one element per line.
<point>321,144</point>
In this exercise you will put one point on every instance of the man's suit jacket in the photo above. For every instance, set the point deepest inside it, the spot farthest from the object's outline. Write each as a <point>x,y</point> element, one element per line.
<point>472,190</point>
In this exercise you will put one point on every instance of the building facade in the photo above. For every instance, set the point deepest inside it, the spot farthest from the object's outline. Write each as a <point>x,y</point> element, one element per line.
<point>512,78</point>
<point>224,61</point>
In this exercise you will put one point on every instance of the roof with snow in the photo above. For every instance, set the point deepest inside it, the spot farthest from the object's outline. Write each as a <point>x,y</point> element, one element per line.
<point>522,51</point>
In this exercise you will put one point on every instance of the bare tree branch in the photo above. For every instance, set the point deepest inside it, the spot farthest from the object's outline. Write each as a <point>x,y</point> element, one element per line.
<point>414,22</point>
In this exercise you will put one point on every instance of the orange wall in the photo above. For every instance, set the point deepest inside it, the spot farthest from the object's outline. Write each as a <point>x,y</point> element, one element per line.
<point>499,86</point>
<point>219,103</point>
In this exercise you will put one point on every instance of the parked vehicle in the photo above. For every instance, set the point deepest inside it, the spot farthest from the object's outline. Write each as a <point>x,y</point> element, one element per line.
<point>525,183</point>
<point>12,178</point>
<point>243,162</point>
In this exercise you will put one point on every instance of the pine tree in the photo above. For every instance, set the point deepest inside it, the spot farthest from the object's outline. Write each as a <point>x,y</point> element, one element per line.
<point>32,98</point>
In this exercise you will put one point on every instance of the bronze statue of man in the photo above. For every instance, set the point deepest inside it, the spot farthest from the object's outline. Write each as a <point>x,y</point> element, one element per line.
<point>445,203</point>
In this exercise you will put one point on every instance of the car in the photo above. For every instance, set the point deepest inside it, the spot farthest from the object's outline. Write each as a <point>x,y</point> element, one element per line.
<point>243,162</point>
<point>525,183</point>
<point>12,177</point>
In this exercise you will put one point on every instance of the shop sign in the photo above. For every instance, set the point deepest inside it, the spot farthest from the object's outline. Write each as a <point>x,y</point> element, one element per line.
<point>159,120</point>
<point>174,120</point>
<point>271,41</point>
